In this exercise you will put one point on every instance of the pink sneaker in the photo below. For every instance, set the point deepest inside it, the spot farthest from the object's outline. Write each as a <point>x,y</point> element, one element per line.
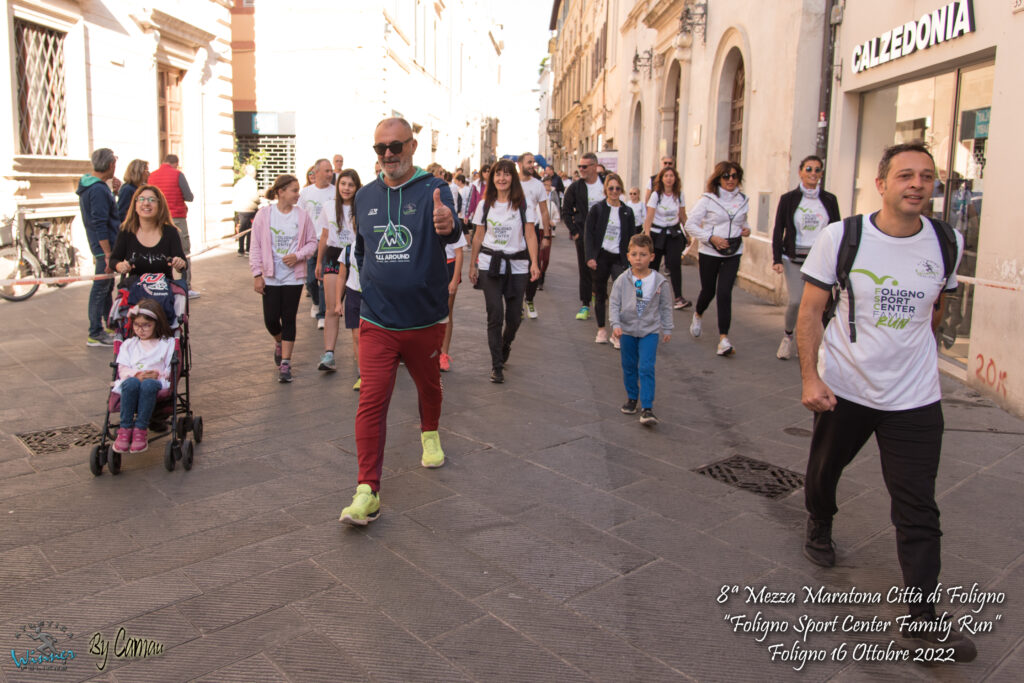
<point>140,440</point>
<point>123,442</point>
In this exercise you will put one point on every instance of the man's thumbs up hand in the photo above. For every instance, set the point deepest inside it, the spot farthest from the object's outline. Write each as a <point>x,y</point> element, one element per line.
<point>443,220</point>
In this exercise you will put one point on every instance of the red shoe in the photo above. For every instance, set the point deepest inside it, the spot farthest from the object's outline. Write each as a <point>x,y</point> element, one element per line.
<point>123,442</point>
<point>446,362</point>
<point>140,440</point>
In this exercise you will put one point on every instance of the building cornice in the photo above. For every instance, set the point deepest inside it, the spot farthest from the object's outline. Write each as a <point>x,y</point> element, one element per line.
<point>663,10</point>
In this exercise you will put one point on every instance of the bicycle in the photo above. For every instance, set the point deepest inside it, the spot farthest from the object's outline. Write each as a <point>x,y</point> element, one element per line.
<point>38,251</point>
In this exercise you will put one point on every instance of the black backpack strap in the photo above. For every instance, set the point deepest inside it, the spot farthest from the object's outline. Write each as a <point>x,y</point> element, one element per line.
<point>947,244</point>
<point>852,226</point>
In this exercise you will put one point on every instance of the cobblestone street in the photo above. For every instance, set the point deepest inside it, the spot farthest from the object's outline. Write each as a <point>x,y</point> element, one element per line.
<point>561,541</point>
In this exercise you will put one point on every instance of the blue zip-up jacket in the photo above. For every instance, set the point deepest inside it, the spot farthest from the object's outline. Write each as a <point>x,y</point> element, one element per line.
<point>99,212</point>
<point>403,270</point>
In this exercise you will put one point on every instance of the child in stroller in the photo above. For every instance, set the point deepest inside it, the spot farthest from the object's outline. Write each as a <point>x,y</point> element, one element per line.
<point>143,370</point>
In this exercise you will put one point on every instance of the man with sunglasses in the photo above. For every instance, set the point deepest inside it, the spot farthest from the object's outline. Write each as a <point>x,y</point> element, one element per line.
<point>404,219</point>
<point>581,195</point>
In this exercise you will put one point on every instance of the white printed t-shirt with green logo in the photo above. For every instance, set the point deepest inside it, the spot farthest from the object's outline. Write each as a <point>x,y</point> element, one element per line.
<point>284,240</point>
<point>809,218</point>
<point>535,194</point>
<point>610,243</point>
<point>328,220</point>
<point>314,199</point>
<point>595,193</point>
<point>896,280</point>
<point>504,233</point>
<point>666,209</point>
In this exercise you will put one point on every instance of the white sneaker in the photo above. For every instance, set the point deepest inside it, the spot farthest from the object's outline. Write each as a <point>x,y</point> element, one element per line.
<point>724,347</point>
<point>602,337</point>
<point>531,310</point>
<point>785,348</point>
<point>193,294</point>
<point>695,326</point>
<point>313,310</point>
<point>616,344</point>
<point>320,324</point>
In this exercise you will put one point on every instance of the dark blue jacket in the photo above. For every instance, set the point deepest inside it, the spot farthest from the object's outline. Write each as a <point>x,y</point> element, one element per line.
<point>403,270</point>
<point>124,200</point>
<point>99,212</point>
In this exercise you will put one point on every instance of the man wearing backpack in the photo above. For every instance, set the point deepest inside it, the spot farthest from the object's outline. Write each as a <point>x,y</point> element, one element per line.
<point>879,374</point>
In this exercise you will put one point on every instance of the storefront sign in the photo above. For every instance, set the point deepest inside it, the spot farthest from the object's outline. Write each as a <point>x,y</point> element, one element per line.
<point>946,23</point>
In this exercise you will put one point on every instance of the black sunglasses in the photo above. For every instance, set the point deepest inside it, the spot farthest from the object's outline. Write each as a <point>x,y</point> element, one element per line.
<point>395,147</point>
<point>812,169</point>
<point>584,166</point>
<point>730,175</point>
<point>615,188</point>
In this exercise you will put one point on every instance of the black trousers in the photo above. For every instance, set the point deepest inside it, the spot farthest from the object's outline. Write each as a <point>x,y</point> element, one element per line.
<point>673,254</point>
<point>608,265</point>
<point>502,308</point>
<point>717,277</point>
<point>909,442</point>
<point>586,285</point>
<point>244,221</point>
<point>280,305</point>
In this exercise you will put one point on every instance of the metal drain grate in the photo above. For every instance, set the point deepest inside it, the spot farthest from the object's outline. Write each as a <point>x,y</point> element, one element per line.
<point>60,439</point>
<point>755,476</point>
<point>798,431</point>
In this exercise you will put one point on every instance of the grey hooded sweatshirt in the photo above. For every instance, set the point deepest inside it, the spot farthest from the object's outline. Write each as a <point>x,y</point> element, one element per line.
<point>657,317</point>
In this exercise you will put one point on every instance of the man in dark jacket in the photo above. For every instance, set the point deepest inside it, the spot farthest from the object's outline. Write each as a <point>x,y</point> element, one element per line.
<point>403,220</point>
<point>99,215</point>
<point>580,196</point>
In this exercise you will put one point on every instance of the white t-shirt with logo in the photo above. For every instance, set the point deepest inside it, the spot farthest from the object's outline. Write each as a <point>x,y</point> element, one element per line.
<point>284,240</point>
<point>313,199</point>
<point>504,232</point>
<point>337,237</point>
<point>809,218</point>
<point>893,365</point>
<point>646,291</point>
<point>535,194</point>
<point>666,209</point>
<point>612,232</point>
<point>595,193</point>
<point>449,249</point>
<point>639,211</point>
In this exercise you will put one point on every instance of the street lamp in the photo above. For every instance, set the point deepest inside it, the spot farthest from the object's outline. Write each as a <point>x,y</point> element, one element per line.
<point>644,62</point>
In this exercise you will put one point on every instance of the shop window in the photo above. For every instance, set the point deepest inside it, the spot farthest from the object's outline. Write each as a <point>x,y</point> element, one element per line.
<point>950,113</point>
<point>169,114</point>
<point>42,111</point>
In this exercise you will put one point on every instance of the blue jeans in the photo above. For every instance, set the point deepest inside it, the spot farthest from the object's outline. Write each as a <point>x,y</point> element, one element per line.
<point>638,354</point>
<point>138,398</point>
<point>99,299</point>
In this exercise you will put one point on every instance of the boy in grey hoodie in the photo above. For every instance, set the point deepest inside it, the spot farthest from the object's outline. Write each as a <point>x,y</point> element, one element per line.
<point>640,311</point>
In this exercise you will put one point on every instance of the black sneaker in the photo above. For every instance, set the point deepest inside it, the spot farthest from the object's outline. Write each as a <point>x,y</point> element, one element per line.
<point>937,636</point>
<point>497,376</point>
<point>629,407</point>
<point>647,417</point>
<point>818,546</point>
<point>505,350</point>
<point>284,374</point>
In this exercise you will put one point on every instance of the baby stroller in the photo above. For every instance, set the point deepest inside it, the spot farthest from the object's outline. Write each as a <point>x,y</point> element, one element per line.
<point>173,405</point>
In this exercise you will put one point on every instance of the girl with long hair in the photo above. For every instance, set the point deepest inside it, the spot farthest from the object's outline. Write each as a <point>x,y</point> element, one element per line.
<point>609,227</point>
<point>148,242</point>
<point>665,217</point>
<point>337,231</point>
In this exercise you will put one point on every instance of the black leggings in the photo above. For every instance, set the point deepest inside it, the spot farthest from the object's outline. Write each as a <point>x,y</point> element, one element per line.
<point>673,253</point>
<point>608,265</point>
<point>280,304</point>
<point>502,308</point>
<point>586,284</point>
<point>717,275</point>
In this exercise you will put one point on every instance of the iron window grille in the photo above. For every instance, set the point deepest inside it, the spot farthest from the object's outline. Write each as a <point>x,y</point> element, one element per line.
<point>42,111</point>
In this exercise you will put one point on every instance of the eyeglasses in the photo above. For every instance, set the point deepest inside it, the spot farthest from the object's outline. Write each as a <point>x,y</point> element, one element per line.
<point>584,167</point>
<point>147,200</point>
<point>730,175</point>
<point>614,188</point>
<point>639,285</point>
<point>812,169</point>
<point>395,147</point>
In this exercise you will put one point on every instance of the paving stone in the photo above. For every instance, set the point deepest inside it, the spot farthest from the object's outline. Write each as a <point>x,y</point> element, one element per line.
<point>388,582</point>
<point>256,669</point>
<point>314,659</point>
<point>665,500</point>
<point>26,601</point>
<point>385,650</point>
<point>87,547</point>
<point>489,650</point>
<point>22,564</point>
<point>585,467</point>
<point>599,654</point>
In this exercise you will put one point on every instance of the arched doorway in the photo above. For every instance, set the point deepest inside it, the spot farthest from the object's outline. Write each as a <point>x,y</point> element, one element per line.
<point>636,145</point>
<point>731,110</point>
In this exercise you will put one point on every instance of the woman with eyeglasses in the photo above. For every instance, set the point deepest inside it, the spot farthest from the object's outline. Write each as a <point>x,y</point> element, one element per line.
<point>667,212</point>
<point>800,218</point>
<point>504,258</point>
<point>609,226</point>
<point>719,223</point>
<point>148,241</point>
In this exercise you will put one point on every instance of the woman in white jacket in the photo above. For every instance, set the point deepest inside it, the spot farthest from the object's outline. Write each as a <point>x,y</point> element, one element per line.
<point>719,222</point>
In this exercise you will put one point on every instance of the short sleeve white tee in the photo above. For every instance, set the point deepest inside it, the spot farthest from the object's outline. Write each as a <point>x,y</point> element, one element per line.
<point>313,199</point>
<point>612,232</point>
<point>809,219</point>
<point>666,209</point>
<point>893,365</point>
<point>449,249</point>
<point>337,237</point>
<point>646,292</point>
<point>284,240</point>
<point>149,354</point>
<point>504,232</point>
<point>535,193</point>
<point>595,193</point>
<point>639,212</point>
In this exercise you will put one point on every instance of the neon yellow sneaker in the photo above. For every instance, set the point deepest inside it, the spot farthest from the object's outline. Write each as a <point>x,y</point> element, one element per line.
<point>364,509</point>
<point>359,383</point>
<point>433,456</point>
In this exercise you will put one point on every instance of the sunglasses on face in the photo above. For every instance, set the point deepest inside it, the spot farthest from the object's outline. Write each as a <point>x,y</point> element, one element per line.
<point>395,147</point>
<point>614,188</point>
<point>584,167</point>
<point>812,169</point>
<point>730,175</point>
